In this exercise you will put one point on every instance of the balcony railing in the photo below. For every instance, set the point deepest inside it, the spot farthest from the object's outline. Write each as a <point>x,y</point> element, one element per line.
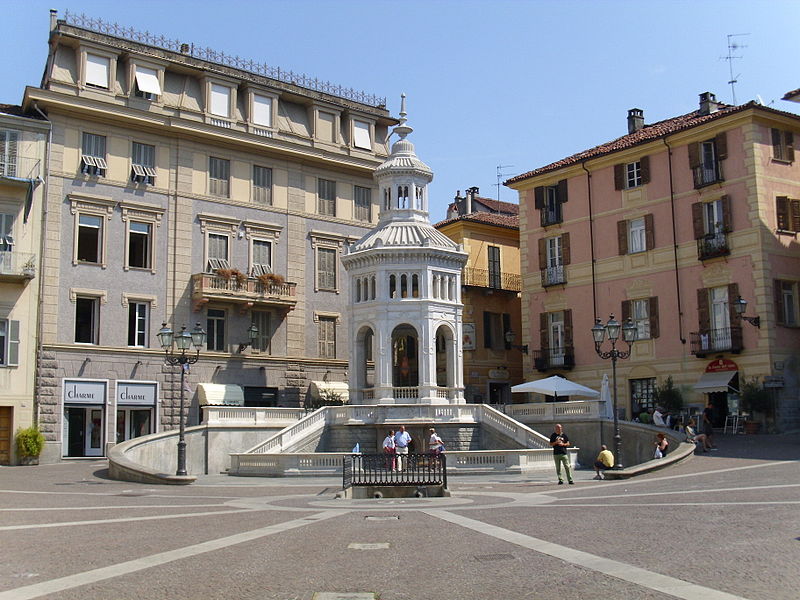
<point>554,276</point>
<point>492,279</point>
<point>725,339</point>
<point>251,292</point>
<point>554,358</point>
<point>707,174</point>
<point>19,167</point>
<point>17,266</point>
<point>712,245</point>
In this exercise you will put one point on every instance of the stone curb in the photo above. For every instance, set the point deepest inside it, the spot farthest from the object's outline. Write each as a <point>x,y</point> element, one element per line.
<point>683,452</point>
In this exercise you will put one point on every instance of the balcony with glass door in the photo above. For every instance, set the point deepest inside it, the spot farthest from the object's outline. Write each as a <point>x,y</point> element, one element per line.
<point>710,341</point>
<point>547,359</point>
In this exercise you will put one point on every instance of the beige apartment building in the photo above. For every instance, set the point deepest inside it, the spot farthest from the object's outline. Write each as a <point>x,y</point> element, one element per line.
<point>23,143</point>
<point>185,187</point>
<point>671,225</point>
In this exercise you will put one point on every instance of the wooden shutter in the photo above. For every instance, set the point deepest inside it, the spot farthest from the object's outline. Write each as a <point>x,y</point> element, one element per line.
<point>694,155</point>
<point>568,327</point>
<point>619,177</point>
<point>733,295</point>
<point>487,329</point>
<point>776,143</point>
<point>652,312</point>
<point>565,254</point>
<point>538,197</point>
<point>782,210</point>
<point>13,343</point>
<point>622,237</point>
<point>649,232</point>
<point>626,310</point>
<point>778,290</point>
<point>506,329</point>
<point>721,145</point>
<point>703,315</point>
<point>727,216</point>
<point>644,169</point>
<point>697,220</point>
<point>562,191</point>
<point>544,337</point>
<point>789,146</point>
<point>795,210</point>
<point>542,254</point>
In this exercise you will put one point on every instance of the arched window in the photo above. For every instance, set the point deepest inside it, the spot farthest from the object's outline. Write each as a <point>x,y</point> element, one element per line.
<point>358,290</point>
<point>404,286</point>
<point>372,284</point>
<point>415,286</point>
<point>392,286</point>
<point>387,198</point>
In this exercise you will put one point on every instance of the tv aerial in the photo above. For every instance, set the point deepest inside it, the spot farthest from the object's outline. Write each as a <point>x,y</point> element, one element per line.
<point>500,175</point>
<point>733,47</point>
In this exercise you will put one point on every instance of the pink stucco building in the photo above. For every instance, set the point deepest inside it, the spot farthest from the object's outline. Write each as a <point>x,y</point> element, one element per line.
<point>670,225</point>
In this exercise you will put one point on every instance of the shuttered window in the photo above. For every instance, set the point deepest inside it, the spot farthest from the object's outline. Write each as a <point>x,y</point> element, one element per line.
<point>219,173</point>
<point>262,185</point>
<point>8,152</point>
<point>93,154</point>
<point>361,136</point>
<point>147,84</point>
<point>788,213</point>
<point>326,268</point>
<point>363,203</point>
<point>97,69</point>
<point>326,193</point>
<point>9,343</point>
<point>548,199</point>
<point>143,163</point>
<point>219,100</point>
<point>327,337</point>
<point>262,110</point>
<point>217,252</point>
<point>633,174</point>
<point>782,145</point>
<point>786,303</point>
<point>644,314</point>
<point>6,232</point>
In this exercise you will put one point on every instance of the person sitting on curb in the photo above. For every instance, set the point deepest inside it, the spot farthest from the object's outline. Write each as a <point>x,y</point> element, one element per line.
<point>662,445</point>
<point>604,460</point>
<point>696,438</point>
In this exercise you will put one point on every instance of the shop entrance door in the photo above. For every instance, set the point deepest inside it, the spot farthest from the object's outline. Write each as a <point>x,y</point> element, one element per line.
<point>74,421</point>
<point>6,414</point>
<point>84,431</point>
<point>94,432</point>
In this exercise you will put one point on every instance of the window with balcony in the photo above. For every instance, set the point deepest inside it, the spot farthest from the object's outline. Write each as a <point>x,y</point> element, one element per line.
<point>217,252</point>
<point>633,174</point>
<point>215,330</point>
<point>93,155</point>
<point>644,314</point>
<point>6,232</point>
<point>705,160</point>
<point>363,203</point>
<point>138,321</point>
<point>262,185</point>
<point>8,152</point>
<point>143,163</point>
<point>326,197</point>
<point>555,336</point>
<point>636,235</point>
<point>719,326</point>
<point>261,263</point>
<point>219,175</point>
<point>788,214</point>
<point>711,222</point>
<point>554,255</point>
<point>786,303</point>
<point>9,343</point>
<point>548,200</point>
<point>87,318</point>
<point>326,336</point>
<point>495,274</point>
<point>782,145</point>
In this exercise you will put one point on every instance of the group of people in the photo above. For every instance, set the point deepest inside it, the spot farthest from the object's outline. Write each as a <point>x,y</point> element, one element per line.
<point>397,443</point>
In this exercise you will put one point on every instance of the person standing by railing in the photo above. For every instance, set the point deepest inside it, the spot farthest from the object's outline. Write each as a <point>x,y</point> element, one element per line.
<point>390,450</point>
<point>401,441</point>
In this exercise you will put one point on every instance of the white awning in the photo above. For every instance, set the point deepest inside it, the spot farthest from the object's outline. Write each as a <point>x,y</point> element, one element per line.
<point>330,390</point>
<point>219,394</point>
<point>147,81</point>
<point>714,382</point>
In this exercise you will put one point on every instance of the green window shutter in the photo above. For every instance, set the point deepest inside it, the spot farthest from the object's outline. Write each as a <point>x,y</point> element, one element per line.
<point>13,343</point>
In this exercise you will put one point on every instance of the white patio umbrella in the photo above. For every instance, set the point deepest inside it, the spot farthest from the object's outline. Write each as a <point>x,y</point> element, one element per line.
<point>606,409</point>
<point>556,386</point>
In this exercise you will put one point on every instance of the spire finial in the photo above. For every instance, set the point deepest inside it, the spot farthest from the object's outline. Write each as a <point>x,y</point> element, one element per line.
<point>402,129</point>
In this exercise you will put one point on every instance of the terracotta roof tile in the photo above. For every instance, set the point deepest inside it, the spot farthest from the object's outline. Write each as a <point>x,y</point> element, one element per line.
<point>646,134</point>
<point>12,109</point>
<point>792,96</point>
<point>498,206</point>
<point>501,220</point>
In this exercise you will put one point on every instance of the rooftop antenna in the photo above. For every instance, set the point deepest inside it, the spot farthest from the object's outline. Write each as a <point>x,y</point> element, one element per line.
<point>733,46</point>
<point>500,176</point>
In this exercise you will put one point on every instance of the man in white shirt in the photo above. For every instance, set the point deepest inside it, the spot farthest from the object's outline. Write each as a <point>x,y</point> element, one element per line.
<point>401,441</point>
<point>389,450</point>
<point>658,417</point>
<point>435,444</point>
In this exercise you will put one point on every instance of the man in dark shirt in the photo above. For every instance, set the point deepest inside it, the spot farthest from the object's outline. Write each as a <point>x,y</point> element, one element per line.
<point>560,442</point>
<point>708,425</point>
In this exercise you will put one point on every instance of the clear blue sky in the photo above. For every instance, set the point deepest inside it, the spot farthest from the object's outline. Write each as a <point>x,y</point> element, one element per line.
<point>520,83</point>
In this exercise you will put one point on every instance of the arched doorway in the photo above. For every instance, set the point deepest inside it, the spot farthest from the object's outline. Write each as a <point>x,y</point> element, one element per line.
<point>445,375</point>
<point>405,356</point>
<point>365,365</point>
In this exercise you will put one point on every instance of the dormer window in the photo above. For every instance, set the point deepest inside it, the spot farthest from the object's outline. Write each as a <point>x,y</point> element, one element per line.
<point>146,83</point>
<point>261,114</point>
<point>97,71</point>
<point>219,97</point>
<point>362,135</point>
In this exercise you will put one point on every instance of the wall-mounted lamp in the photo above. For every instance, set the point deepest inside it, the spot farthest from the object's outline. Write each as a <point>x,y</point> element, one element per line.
<point>510,337</point>
<point>740,306</point>
<point>252,334</point>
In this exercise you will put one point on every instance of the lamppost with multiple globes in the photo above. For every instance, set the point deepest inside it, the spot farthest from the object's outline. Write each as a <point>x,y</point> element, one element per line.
<point>178,356</point>
<point>611,330</point>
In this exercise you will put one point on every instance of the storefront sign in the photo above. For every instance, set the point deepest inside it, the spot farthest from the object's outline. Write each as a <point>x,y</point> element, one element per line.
<point>468,336</point>
<point>136,393</point>
<point>78,391</point>
<point>498,374</point>
<point>720,365</point>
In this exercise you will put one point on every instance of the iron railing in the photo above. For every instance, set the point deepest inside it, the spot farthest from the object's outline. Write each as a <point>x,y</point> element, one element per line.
<point>220,58</point>
<point>706,175</point>
<point>712,245</point>
<point>724,339</point>
<point>17,264</point>
<point>491,279</point>
<point>394,470</point>
<point>554,276</point>
<point>554,358</point>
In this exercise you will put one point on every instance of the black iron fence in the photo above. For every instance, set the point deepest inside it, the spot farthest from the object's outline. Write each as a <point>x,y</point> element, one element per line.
<point>709,341</point>
<point>394,470</point>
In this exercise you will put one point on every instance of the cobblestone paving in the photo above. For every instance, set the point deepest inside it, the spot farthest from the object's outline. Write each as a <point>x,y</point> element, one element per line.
<point>722,525</point>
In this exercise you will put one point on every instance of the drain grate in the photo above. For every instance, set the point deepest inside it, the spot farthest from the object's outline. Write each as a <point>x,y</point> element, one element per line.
<point>493,557</point>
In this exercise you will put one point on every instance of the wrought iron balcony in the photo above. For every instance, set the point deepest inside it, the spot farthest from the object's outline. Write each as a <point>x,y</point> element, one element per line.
<point>709,341</point>
<point>706,175</point>
<point>248,293</point>
<point>17,266</point>
<point>554,358</point>
<point>491,279</point>
<point>712,245</point>
<point>554,276</point>
<point>16,167</point>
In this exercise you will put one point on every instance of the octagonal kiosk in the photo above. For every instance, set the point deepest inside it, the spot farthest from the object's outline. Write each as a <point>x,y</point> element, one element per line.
<point>405,292</point>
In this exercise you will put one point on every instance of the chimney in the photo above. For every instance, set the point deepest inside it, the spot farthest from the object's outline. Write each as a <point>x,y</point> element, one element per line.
<point>635,119</point>
<point>708,103</point>
<point>53,19</point>
<point>471,193</point>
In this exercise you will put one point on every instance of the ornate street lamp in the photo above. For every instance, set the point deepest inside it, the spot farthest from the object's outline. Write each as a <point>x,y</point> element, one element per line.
<point>252,336</point>
<point>740,306</point>
<point>599,333</point>
<point>182,342</point>
<point>511,336</point>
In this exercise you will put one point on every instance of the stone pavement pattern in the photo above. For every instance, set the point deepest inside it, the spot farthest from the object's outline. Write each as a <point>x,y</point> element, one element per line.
<point>722,525</point>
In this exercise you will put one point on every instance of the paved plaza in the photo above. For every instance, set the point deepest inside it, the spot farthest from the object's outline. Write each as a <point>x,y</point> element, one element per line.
<point>720,525</point>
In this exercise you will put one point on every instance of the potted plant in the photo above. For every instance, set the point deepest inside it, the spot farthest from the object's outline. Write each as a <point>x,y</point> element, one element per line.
<point>268,280</point>
<point>30,443</point>
<point>756,400</point>
<point>239,277</point>
<point>669,397</point>
<point>29,269</point>
<point>225,274</point>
